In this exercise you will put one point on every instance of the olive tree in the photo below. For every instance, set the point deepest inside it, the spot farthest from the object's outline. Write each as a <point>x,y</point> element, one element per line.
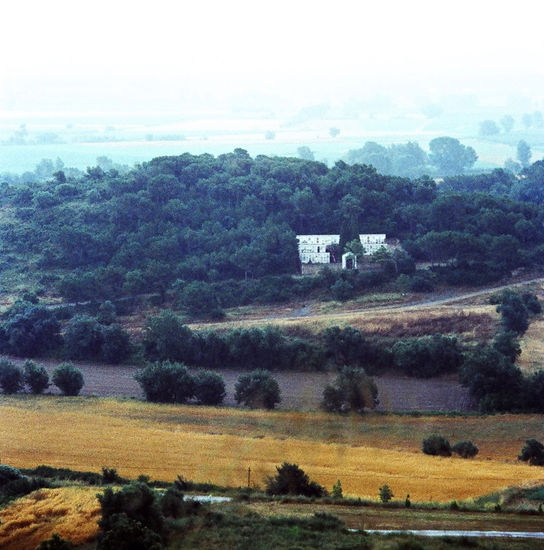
<point>68,379</point>
<point>257,389</point>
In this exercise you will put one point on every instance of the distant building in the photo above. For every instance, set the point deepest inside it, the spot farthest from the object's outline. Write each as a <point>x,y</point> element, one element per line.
<point>318,249</point>
<point>372,242</point>
<point>312,249</point>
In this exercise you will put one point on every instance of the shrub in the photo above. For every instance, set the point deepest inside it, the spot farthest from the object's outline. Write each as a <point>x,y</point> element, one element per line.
<point>68,379</point>
<point>56,542</point>
<point>166,382</point>
<point>352,390</point>
<point>341,290</point>
<point>427,356</point>
<point>115,344</point>
<point>36,377</point>
<point>337,490</point>
<point>514,312</point>
<point>257,389</point>
<point>126,533</point>
<point>533,452</point>
<point>30,330</point>
<point>8,474</point>
<point>83,338</point>
<point>136,501</point>
<point>436,445</point>
<point>11,377</point>
<point>492,379</point>
<point>291,480</point>
<point>209,388</point>
<point>167,338</point>
<point>386,494</point>
<point>110,475</point>
<point>465,449</point>
<point>199,299</point>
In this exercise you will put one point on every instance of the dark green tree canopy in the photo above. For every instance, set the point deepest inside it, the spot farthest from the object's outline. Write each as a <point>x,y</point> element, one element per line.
<point>292,480</point>
<point>257,389</point>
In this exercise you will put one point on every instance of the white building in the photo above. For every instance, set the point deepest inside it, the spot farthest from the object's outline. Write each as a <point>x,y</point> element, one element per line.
<point>314,248</point>
<point>372,242</point>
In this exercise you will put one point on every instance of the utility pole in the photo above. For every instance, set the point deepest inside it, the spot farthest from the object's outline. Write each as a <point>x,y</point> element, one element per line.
<point>249,476</point>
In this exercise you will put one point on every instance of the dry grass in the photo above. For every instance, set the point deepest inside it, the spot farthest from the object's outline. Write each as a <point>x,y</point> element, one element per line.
<point>72,512</point>
<point>475,322</point>
<point>218,445</point>
<point>532,348</point>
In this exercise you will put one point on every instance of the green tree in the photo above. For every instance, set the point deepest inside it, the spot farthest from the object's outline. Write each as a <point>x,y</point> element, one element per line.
<point>492,380</point>
<point>83,338</point>
<point>523,153</point>
<point>257,389</point>
<point>514,312</point>
<point>450,156</point>
<point>507,343</point>
<point>337,490</point>
<point>30,330</point>
<point>352,390</point>
<point>167,338</point>
<point>131,519</point>
<point>36,377</point>
<point>106,313</point>
<point>507,122</point>
<point>355,247</point>
<point>465,449</point>
<point>292,480</point>
<point>342,290</point>
<point>488,128</point>
<point>436,445</point>
<point>68,379</point>
<point>116,345</point>
<point>532,452</point>
<point>199,299</point>
<point>11,377</point>
<point>209,387</point>
<point>305,153</point>
<point>166,382</point>
<point>56,542</point>
<point>386,494</point>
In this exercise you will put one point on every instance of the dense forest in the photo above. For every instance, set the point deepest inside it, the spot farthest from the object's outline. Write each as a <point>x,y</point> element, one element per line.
<point>223,229</point>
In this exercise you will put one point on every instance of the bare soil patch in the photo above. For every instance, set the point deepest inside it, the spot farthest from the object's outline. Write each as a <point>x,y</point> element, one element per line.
<point>299,390</point>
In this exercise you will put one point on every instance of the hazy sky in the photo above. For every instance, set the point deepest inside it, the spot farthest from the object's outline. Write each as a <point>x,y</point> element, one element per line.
<point>78,54</point>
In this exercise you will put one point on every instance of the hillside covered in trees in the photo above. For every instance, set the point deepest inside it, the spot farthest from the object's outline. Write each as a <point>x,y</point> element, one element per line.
<point>227,226</point>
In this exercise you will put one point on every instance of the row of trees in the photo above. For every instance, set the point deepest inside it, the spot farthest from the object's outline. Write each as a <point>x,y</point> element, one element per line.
<point>446,156</point>
<point>166,382</point>
<point>33,330</point>
<point>35,378</point>
<point>167,338</point>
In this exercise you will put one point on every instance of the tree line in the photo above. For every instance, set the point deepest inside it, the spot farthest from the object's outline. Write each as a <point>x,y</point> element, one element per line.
<point>230,222</point>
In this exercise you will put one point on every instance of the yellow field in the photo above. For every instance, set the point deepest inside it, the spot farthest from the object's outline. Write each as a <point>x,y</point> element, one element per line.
<point>72,512</point>
<point>219,445</point>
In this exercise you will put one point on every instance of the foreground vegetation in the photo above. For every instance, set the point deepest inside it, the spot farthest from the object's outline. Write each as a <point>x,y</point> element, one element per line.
<point>152,515</point>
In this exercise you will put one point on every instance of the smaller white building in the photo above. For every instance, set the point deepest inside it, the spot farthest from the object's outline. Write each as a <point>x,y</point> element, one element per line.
<point>372,242</point>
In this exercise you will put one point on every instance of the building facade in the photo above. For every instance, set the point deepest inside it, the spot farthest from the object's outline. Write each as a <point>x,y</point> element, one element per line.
<point>315,249</point>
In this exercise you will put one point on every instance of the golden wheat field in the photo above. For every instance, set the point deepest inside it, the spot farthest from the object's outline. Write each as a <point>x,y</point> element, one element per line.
<point>220,444</point>
<point>72,512</point>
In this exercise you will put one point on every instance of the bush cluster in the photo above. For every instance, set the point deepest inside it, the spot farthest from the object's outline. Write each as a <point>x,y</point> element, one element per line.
<point>166,382</point>
<point>13,379</point>
<point>438,445</point>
